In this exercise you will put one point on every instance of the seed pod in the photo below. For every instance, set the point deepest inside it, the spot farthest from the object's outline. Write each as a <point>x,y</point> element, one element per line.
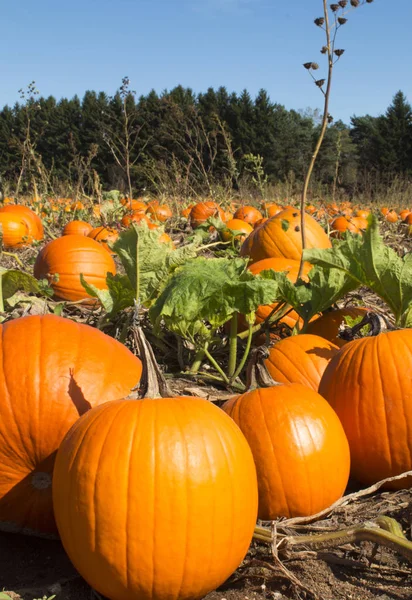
<point>319,22</point>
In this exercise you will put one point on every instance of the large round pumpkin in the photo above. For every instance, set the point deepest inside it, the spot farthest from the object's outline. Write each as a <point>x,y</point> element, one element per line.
<point>155,499</point>
<point>52,370</point>
<point>299,446</point>
<point>280,236</point>
<point>300,359</point>
<point>63,260</point>
<point>33,221</point>
<point>249,214</point>
<point>368,383</point>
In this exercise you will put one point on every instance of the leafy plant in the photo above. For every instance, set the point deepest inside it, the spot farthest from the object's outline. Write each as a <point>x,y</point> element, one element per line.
<point>205,294</point>
<point>147,263</point>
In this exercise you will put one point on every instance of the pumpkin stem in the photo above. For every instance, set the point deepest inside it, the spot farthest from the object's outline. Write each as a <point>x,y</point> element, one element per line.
<point>378,324</point>
<point>257,375</point>
<point>384,531</point>
<point>153,383</point>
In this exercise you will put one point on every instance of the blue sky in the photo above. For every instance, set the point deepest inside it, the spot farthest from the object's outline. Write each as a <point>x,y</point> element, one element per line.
<point>69,47</point>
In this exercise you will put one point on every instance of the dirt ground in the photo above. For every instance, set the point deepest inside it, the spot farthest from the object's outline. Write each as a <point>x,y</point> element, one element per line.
<point>32,568</point>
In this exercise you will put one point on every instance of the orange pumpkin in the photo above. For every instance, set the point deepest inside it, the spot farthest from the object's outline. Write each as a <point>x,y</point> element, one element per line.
<point>134,205</point>
<point>103,235</point>
<point>160,212</point>
<point>280,236</point>
<point>363,213</point>
<point>77,228</point>
<point>52,370</point>
<point>155,499</point>
<point>14,231</point>
<point>249,214</point>
<point>236,225</point>
<point>342,224</point>
<point>61,261</point>
<point>391,216</point>
<point>138,217</point>
<point>408,219</point>
<point>300,359</point>
<point>26,214</point>
<point>404,213</point>
<point>299,446</point>
<point>368,384</point>
<point>202,211</point>
<point>328,325</point>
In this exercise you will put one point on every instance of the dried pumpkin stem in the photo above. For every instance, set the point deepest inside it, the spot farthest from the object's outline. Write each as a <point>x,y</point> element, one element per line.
<point>16,258</point>
<point>379,532</point>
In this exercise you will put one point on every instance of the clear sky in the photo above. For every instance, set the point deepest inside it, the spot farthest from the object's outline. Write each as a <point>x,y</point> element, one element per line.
<point>70,47</point>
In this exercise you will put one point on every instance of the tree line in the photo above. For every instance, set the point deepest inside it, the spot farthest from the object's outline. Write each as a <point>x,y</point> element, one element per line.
<point>183,143</point>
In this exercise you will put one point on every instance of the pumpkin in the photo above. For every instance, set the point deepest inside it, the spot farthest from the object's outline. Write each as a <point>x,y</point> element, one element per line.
<point>403,214</point>
<point>300,449</point>
<point>77,228</point>
<point>236,225</point>
<point>137,217</point>
<point>155,499</point>
<point>134,205</point>
<point>69,256</point>
<point>270,209</point>
<point>249,214</point>
<point>408,219</point>
<point>52,370</point>
<point>328,325</point>
<point>33,221</point>
<point>280,236</point>
<point>300,359</point>
<point>363,213</point>
<point>360,222</point>
<point>160,212</point>
<point>103,235</point>
<point>391,216</point>
<point>202,211</point>
<point>342,224</point>
<point>14,231</point>
<point>368,384</point>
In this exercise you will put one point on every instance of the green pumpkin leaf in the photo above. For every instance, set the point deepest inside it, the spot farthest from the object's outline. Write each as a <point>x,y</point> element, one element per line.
<point>147,261</point>
<point>14,280</point>
<point>370,262</point>
<point>118,296</point>
<point>210,291</point>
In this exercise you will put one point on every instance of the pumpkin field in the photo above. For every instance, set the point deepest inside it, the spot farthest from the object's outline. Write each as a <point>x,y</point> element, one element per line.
<point>193,406</point>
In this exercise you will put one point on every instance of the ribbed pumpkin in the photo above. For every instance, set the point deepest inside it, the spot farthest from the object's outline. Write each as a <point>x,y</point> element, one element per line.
<point>104,235</point>
<point>299,446</point>
<point>33,221</point>
<point>155,499</point>
<point>249,214</point>
<point>138,217</point>
<point>14,231</point>
<point>77,228</point>
<point>391,216</point>
<point>280,236</point>
<point>236,225</point>
<point>202,211</point>
<point>368,383</point>
<point>68,257</point>
<point>300,359</point>
<point>328,325</point>
<point>52,370</point>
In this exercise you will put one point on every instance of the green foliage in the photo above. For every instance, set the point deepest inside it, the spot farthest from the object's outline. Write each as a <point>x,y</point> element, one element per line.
<point>147,263</point>
<point>368,261</point>
<point>206,292</point>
